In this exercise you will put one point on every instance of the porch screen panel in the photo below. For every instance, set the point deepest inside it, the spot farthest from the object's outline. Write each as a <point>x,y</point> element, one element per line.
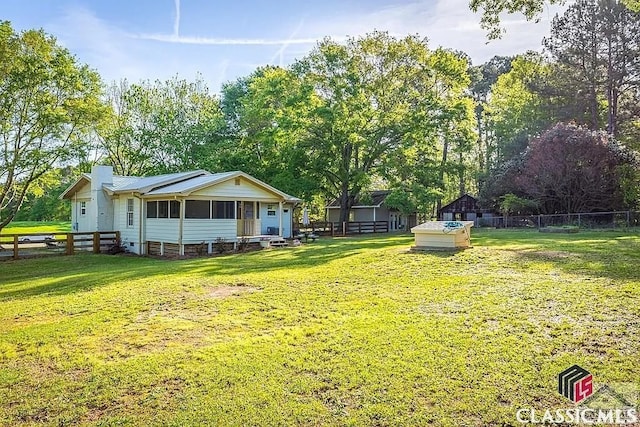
<point>152,209</point>
<point>163,209</point>
<point>197,209</point>
<point>174,209</point>
<point>223,210</point>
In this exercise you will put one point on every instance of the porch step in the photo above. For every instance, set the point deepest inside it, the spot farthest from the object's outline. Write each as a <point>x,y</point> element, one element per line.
<point>278,243</point>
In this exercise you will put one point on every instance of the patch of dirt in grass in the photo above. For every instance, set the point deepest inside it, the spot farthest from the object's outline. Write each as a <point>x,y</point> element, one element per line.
<point>231,290</point>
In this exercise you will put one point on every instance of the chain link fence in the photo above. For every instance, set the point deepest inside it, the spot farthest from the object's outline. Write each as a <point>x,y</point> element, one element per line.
<point>595,220</point>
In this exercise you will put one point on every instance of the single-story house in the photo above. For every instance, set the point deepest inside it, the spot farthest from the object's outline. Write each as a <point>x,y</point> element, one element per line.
<point>175,213</point>
<point>464,208</point>
<point>373,209</point>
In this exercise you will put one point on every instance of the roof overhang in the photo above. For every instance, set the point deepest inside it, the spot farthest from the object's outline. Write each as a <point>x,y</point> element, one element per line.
<point>75,187</point>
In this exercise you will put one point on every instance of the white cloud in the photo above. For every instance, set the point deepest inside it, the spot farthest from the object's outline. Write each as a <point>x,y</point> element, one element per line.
<point>447,23</point>
<point>117,52</point>
<point>214,41</point>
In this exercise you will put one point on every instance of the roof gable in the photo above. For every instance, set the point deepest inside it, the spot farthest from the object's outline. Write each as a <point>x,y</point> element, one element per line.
<point>74,188</point>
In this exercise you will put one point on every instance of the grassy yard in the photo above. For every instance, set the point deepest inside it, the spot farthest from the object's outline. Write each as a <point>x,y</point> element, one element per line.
<point>339,332</point>
<point>17,227</point>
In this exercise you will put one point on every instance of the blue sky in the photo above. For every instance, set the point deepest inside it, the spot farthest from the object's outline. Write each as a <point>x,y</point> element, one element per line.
<point>223,40</point>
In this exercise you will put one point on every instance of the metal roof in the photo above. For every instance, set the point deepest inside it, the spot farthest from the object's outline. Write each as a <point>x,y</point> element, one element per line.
<point>148,183</point>
<point>191,185</point>
<point>183,183</point>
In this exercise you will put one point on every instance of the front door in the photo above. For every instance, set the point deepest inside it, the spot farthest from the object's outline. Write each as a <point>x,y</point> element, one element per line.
<point>248,217</point>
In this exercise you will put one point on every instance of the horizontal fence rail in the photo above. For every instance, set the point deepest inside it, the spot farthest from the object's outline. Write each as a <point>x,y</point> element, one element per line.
<point>583,220</point>
<point>344,228</point>
<point>22,245</point>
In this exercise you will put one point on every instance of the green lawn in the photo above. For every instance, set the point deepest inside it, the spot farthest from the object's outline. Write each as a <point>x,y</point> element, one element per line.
<point>339,332</point>
<point>17,227</point>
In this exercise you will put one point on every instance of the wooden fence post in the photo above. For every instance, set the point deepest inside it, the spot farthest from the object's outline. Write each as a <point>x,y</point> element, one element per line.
<point>374,227</point>
<point>69,250</point>
<point>344,228</point>
<point>96,242</point>
<point>15,246</point>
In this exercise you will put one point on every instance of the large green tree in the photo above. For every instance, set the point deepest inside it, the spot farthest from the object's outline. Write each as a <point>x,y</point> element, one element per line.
<point>267,117</point>
<point>515,110</point>
<point>47,102</point>
<point>158,127</point>
<point>381,102</point>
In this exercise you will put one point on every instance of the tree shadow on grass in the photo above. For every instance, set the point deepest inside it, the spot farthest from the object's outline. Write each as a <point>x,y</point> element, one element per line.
<point>303,257</point>
<point>66,275</point>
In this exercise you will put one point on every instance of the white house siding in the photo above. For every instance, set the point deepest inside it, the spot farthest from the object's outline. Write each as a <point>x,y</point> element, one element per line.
<point>273,221</point>
<point>228,190</point>
<point>81,222</point>
<point>130,235</point>
<point>162,230</point>
<point>208,230</point>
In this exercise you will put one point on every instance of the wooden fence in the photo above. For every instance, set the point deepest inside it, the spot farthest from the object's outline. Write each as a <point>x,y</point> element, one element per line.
<point>345,228</point>
<point>14,246</point>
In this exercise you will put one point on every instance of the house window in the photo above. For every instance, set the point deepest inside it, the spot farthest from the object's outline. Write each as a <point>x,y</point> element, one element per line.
<point>129,213</point>
<point>237,181</point>
<point>257,210</point>
<point>83,208</point>
<point>223,210</point>
<point>197,209</point>
<point>152,209</point>
<point>163,209</point>
<point>174,209</point>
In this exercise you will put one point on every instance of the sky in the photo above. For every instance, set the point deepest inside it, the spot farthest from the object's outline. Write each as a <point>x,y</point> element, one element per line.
<point>224,40</point>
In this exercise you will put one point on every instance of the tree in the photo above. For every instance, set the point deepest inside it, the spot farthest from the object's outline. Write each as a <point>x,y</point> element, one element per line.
<point>381,100</point>
<point>516,111</point>
<point>531,9</point>
<point>158,127</point>
<point>596,46</point>
<point>572,169</point>
<point>47,102</point>
<point>43,202</point>
<point>483,77</point>
<point>267,116</point>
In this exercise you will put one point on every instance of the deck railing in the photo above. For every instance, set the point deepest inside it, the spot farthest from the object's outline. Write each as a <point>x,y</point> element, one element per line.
<point>249,227</point>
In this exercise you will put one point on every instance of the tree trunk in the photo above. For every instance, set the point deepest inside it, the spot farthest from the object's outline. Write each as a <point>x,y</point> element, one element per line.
<point>346,201</point>
<point>461,183</point>
<point>445,150</point>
